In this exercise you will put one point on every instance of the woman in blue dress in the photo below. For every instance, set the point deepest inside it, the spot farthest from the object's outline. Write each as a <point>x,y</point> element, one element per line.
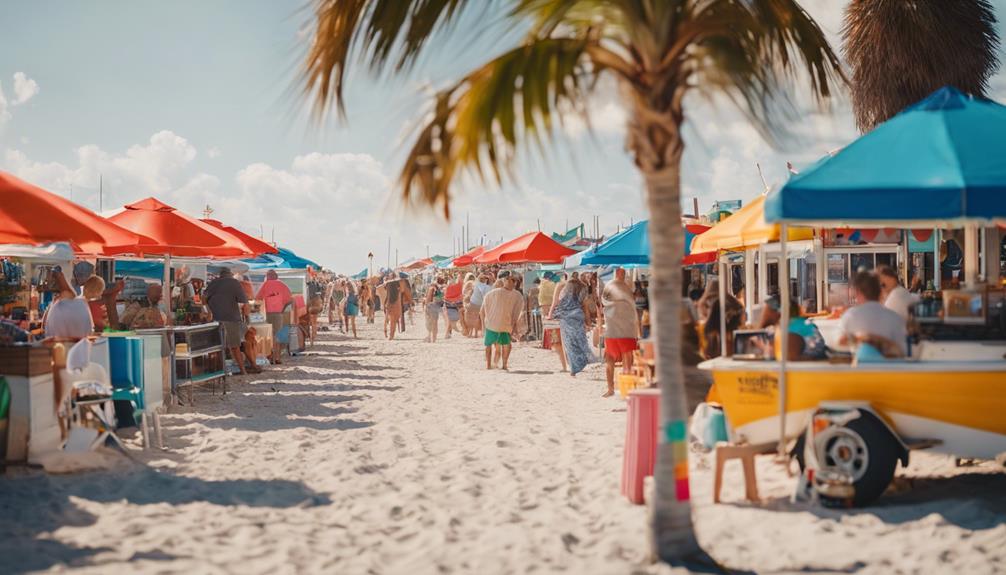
<point>571,311</point>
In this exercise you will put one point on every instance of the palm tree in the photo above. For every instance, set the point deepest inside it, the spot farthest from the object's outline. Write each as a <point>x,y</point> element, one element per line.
<point>900,51</point>
<point>659,51</point>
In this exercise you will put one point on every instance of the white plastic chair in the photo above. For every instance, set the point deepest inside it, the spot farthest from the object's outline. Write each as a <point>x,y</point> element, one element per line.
<point>80,374</point>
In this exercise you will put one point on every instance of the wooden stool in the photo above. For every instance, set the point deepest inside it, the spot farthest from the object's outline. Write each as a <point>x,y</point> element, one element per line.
<point>746,453</point>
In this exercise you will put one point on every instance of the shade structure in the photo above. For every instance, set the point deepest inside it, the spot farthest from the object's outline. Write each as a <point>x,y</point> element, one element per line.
<point>939,162</point>
<point>631,247</point>
<point>283,259</point>
<point>533,247</point>
<point>469,258</point>
<point>253,244</point>
<point>360,276</point>
<point>746,228</point>
<point>30,215</point>
<point>173,233</point>
<point>417,265</point>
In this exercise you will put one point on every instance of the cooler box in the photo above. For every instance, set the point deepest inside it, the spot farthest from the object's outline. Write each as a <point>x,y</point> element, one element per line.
<point>641,436</point>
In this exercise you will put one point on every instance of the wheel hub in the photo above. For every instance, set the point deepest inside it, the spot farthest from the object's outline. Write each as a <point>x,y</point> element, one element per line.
<point>846,452</point>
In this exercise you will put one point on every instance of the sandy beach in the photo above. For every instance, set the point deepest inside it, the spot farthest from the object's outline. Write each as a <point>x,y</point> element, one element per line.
<point>370,456</point>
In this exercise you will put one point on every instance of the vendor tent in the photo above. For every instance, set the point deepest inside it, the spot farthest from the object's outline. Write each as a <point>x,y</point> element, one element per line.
<point>745,229</point>
<point>173,233</point>
<point>30,215</point>
<point>468,258</point>
<point>937,163</point>
<point>533,247</point>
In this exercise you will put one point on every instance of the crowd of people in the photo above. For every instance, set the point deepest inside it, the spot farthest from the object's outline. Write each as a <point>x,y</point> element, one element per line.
<point>877,326</point>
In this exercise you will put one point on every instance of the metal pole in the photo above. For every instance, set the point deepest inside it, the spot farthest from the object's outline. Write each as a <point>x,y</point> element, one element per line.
<point>783,333</point>
<point>937,268</point>
<point>167,284</point>
<point>101,189</point>
<point>723,306</point>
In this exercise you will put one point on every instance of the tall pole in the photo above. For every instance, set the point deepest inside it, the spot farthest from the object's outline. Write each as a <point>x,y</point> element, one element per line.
<point>101,200</point>
<point>468,232</point>
<point>389,252</point>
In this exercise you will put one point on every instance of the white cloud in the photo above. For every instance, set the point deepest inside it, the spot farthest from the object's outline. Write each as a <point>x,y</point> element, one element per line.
<point>24,88</point>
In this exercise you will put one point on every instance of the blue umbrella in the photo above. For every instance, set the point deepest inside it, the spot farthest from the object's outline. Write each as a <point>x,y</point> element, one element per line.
<point>285,260</point>
<point>939,161</point>
<point>629,247</point>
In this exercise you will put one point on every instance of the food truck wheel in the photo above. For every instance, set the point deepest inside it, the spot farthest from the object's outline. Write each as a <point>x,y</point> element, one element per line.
<point>865,450</point>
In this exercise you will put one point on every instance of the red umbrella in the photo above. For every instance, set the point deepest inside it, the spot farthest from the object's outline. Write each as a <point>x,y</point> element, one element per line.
<point>30,215</point>
<point>250,242</point>
<point>468,258</point>
<point>533,247</point>
<point>175,234</point>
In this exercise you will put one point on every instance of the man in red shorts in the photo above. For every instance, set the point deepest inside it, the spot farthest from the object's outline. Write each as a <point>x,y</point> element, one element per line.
<point>620,328</point>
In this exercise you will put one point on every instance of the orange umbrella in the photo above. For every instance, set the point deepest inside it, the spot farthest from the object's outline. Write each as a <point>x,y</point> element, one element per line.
<point>173,233</point>
<point>250,242</point>
<point>534,247</point>
<point>468,258</point>
<point>30,215</point>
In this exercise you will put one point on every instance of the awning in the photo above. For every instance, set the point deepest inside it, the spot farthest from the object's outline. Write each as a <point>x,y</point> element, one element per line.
<point>283,259</point>
<point>631,247</point>
<point>745,229</point>
<point>533,247</point>
<point>176,234</point>
<point>253,244</point>
<point>937,163</point>
<point>468,258</point>
<point>30,215</point>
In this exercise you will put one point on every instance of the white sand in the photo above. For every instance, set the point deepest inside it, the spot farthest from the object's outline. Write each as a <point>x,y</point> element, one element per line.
<point>404,457</point>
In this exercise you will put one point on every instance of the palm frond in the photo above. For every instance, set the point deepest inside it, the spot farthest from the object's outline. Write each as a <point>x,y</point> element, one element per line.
<point>376,32</point>
<point>479,123</point>
<point>900,52</point>
<point>751,50</point>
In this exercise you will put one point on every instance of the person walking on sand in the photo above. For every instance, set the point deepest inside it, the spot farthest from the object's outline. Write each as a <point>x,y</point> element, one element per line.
<point>621,327</point>
<point>471,321</point>
<point>501,311</point>
<point>479,291</point>
<point>434,307</point>
<point>277,297</point>
<point>392,305</point>
<point>352,307</point>
<point>452,306</point>
<point>570,309</point>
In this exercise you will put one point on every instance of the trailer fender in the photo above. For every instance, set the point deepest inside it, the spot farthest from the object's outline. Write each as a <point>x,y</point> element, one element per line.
<point>864,409</point>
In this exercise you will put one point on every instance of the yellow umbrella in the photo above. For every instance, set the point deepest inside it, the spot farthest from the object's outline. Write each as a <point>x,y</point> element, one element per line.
<point>745,229</point>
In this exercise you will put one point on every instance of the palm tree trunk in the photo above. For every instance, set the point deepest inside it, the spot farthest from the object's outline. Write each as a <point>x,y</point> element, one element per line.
<point>656,142</point>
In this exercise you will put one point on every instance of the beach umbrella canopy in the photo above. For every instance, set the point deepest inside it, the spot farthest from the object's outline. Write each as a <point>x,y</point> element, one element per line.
<point>533,247</point>
<point>253,244</point>
<point>173,233</point>
<point>631,247</point>
<point>360,276</point>
<point>283,259</point>
<point>746,228</point>
<point>939,161</point>
<point>469,258</point>
<point>30,215</point>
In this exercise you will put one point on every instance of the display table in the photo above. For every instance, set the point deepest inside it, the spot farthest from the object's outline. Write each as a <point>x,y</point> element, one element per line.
<point>641,437</point>
<point>199,357</point>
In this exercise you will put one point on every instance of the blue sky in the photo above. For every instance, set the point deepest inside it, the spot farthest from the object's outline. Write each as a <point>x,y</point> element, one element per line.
<point>195,102</point>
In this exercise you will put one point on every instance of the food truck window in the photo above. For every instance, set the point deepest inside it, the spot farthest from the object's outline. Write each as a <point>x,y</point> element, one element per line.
<point>861,262</point>
<point>887,259</point>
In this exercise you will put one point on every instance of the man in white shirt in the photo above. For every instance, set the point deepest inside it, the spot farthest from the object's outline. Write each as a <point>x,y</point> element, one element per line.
<point>501,310</point>
<point>869,322</point>
<point>895,297</point>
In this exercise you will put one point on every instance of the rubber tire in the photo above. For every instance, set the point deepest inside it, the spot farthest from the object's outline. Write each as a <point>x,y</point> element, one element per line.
<point>884,452</point>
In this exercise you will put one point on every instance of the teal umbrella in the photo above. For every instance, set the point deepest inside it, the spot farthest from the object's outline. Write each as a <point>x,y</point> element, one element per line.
<point>939,161</point>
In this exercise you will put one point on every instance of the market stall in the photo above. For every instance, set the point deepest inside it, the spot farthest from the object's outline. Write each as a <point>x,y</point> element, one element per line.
<point>936,164</point>
<point>195,343</point>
